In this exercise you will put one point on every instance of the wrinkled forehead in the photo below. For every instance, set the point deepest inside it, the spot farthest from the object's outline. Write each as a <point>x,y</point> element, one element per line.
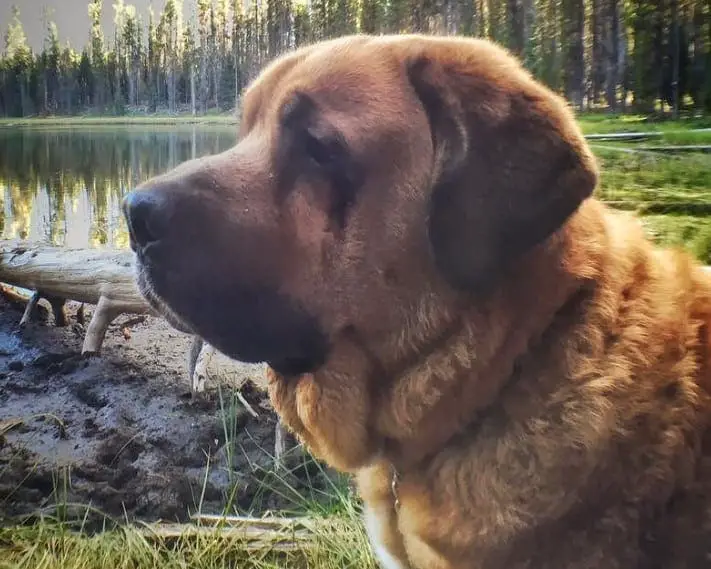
<point>357,79</point>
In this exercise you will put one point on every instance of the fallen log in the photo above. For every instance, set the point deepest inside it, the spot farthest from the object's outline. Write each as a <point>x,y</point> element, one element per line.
<point>277,534</point>
<point>629,136</point>
<point>648,208</point>
<point>91,276</point>
<point>626,136</point>
<point>668,149</point>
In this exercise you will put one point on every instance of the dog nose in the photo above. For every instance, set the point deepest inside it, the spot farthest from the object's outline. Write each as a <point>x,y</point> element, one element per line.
<point>141,210</point>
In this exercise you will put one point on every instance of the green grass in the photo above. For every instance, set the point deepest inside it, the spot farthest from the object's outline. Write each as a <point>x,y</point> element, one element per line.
<point>75,538</point>
<point>690,232</point>
<point>672,192</point>
<point>602,123</point>
<point>53,545</point>
<point>642,178</point>
<point>68,536</point>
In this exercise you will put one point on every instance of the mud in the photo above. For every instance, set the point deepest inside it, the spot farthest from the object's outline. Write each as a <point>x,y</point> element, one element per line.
<point>122,433</point>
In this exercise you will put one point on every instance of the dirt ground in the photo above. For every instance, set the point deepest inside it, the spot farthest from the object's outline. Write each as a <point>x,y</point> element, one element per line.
<point>122,432</point>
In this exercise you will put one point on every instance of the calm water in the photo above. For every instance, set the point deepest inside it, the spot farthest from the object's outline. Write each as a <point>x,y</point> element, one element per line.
<point>64,186</point>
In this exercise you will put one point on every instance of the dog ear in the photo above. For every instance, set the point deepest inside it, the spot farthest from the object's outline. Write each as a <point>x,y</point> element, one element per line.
<point>510,165</point>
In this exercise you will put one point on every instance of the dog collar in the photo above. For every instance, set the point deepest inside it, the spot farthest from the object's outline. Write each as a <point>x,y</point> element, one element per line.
<point>394,483</point>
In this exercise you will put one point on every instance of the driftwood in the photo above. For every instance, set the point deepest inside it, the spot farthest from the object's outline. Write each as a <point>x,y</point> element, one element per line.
<point>648,208</point>
<point>668,149</point>
<point>626,136</point>
<point>652,151</point>
<point>277,534</point>
<point>104,278</point>
<point>90,276</point>
<point>629,136</point>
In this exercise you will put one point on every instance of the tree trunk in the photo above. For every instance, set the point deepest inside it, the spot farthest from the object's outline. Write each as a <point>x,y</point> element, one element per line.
<point>516,26</point>
<point>131,86</point>
<point>46,92</point>
<point>609,51</point>
<point>675,45</point>
<point>529,23</point>
<point>172,95</point>
<point>574,69</point>
<point>622,55</point>
<point>193,110</point>
<point>596,62</point>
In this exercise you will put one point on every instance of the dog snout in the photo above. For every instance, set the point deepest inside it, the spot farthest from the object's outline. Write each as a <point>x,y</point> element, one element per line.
<point>143,211</point>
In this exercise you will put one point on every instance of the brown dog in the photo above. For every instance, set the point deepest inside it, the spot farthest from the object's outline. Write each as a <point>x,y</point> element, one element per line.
<point>405,233</point>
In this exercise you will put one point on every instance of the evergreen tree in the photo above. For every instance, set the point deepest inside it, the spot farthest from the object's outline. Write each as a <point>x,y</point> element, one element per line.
<point>19,65</point>
<point>593,51</point>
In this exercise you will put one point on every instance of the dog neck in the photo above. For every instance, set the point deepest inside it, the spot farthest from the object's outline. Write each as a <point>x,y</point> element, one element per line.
<point>461,372</point>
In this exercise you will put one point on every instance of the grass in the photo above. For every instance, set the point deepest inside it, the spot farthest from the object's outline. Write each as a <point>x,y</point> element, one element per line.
<point>670,191</point>
<point>644,178</point>
<point>67,536</point>
<point>603,122</point>
<point>55,545</point>
<point>85,539</point>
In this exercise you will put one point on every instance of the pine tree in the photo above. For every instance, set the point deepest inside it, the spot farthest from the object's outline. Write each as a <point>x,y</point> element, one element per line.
<point>98,58</point>
<point>50,66</point>
<point>131,37</point>
<point>372,16</point>
<point>204,10</point>
<point>19,57</point>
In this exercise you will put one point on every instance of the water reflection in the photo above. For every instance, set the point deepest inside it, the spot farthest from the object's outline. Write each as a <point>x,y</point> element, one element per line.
<point>64,186</point>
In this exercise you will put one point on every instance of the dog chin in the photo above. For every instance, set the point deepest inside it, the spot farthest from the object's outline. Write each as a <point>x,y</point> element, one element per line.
<point>157,303</point>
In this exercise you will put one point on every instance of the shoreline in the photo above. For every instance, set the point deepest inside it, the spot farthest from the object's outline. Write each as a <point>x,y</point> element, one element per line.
<point>591,122</point>
<point>129,120</point>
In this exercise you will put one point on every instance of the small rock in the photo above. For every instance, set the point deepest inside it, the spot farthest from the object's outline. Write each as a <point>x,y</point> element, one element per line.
<point>16,365</point>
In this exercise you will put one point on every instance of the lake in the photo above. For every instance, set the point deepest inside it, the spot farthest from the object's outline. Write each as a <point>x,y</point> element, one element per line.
<point>64,186</point>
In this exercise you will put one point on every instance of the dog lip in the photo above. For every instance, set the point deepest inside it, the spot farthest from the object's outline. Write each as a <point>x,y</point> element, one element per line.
<point>148,255</point>
<point>156,302</point>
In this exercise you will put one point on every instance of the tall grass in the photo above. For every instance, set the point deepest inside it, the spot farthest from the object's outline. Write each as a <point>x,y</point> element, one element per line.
<point>672,192</point>
<point>54,545</point>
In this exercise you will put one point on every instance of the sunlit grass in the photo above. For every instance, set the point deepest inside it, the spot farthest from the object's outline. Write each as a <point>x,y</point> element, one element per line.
<point>672,191</point>
<point>654,177</point>
<point>64,535</point>
<point>50,544</point>
<point>605,122</point>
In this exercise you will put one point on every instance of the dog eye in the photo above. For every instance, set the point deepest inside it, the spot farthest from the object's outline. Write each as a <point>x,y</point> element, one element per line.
<point>321,152</point>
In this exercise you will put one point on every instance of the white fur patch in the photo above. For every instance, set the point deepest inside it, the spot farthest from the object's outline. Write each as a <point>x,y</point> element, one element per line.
<point>374,527</point>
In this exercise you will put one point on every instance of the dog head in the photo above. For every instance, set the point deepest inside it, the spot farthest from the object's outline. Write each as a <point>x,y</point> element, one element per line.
<point>372,178</point>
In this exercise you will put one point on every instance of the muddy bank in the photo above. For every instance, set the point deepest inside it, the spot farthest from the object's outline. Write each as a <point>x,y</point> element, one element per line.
<point>121,432</point>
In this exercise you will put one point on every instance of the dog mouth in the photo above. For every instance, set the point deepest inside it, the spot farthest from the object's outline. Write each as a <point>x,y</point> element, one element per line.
<point>246,324</point>
<point>147,291</point>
